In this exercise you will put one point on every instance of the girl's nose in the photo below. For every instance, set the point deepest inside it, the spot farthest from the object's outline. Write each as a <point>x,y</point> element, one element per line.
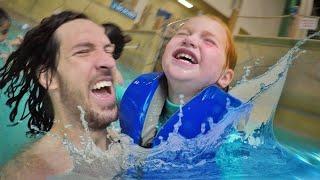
<point>189,41</point>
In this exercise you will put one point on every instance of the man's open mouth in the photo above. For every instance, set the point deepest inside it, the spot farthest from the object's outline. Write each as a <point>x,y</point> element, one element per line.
<point>102,88</point>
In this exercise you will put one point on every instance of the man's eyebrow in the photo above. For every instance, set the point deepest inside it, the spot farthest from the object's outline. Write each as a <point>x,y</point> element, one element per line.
<point>109,45</point>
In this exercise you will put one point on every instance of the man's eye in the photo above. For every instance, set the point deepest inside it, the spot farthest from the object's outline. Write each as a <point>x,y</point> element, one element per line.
<point>110,51</point>
<point>83,51</point>
<point>109,48</point>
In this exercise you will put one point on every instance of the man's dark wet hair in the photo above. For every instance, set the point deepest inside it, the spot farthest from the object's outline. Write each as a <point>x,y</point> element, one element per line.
<point>38,53</point>
<point>4,17</point>
<point>116,37</point>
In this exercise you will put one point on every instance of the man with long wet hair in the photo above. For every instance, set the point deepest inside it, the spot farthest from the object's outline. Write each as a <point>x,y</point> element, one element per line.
<point>63,65</point>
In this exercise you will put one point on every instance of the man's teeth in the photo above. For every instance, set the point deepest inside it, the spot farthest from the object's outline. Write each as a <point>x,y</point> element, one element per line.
<point>185,57</point>
<point>102,84</point>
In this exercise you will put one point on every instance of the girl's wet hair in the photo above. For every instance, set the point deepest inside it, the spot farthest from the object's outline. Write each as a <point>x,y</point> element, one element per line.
<point>19,77</point>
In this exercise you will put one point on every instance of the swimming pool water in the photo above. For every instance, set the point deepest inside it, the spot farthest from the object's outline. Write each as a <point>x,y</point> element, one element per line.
<point>11,139</point>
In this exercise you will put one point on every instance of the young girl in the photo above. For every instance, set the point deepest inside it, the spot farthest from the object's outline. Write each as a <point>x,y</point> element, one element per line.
<point>198,64</point>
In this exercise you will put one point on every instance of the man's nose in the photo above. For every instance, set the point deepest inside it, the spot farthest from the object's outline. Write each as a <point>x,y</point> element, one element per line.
<point>105,60</point>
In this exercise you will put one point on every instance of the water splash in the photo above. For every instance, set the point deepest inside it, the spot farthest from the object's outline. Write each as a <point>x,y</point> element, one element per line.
<point>248,152</point>
<point>89,160</point>
<point>180,114</point>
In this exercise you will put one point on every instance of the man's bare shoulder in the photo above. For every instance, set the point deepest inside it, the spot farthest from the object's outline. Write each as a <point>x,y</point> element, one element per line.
<point>23,164</point>
<point>39,161</point>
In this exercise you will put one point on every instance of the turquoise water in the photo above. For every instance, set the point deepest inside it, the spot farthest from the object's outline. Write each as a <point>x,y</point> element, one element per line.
<point>12,139</point>
<point>128,74</point>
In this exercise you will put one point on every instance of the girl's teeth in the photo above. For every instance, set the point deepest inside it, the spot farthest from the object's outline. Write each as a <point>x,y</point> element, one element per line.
<point>182,55</point>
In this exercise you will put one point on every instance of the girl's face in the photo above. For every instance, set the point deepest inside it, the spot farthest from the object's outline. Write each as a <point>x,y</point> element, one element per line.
<point>197,54</point>
<point>4,29</point>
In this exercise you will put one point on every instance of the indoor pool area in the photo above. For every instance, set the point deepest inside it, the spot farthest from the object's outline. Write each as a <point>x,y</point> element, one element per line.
<point>273,134</point>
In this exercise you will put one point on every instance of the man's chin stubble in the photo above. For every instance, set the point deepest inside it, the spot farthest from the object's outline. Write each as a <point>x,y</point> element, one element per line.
<point>99,122</point>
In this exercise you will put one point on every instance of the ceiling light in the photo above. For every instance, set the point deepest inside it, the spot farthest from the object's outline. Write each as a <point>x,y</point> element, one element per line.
<point>185,3</point>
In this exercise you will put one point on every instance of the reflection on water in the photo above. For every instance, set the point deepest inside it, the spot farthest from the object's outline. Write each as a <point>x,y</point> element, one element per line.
<point>249,152</point>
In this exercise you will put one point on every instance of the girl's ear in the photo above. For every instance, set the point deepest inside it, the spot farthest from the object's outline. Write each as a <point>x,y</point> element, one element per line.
<point>226,78</point>
<point>48,80</point>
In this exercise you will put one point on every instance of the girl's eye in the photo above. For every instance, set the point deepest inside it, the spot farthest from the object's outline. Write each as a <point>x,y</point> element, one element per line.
<point>210,41</point>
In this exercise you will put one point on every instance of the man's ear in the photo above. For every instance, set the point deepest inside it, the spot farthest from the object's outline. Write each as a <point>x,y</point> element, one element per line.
<point>48,80</point>
<point>226,78</point>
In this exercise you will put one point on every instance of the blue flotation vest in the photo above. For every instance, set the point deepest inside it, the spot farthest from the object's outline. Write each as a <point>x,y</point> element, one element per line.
<point>143,101</point>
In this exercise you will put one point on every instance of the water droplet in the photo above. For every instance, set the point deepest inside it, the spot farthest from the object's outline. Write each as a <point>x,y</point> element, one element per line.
<point>262,87</point>
<point>203,128</point>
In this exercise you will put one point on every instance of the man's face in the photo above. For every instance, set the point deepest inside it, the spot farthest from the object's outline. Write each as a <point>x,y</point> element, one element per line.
<point>4,29</point>
<point>196,54</point>
<point>84,72</point>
